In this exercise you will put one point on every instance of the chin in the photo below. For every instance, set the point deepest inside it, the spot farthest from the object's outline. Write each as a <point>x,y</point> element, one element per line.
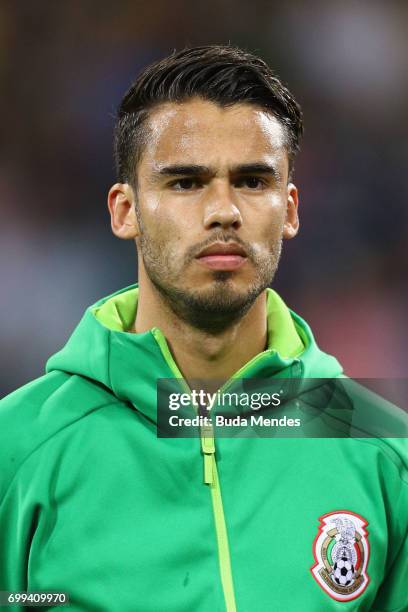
<point>214,303</point>
<point>223,295</point>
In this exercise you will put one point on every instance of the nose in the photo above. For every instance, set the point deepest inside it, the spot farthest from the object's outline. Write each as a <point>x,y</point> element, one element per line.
<point>221,210</point>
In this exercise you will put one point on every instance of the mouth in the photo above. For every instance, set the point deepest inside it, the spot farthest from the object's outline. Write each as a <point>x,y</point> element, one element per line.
<point>222,256</point>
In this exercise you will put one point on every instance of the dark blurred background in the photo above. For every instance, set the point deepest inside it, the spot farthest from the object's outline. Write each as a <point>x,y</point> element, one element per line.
<point>64,67</point>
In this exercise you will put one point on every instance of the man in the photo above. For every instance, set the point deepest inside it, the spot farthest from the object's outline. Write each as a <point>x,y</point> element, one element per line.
<point>93,502</point>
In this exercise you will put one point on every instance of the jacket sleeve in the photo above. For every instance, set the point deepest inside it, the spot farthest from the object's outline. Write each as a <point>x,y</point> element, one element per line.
<point>393,593</point>
<point>14,551</point>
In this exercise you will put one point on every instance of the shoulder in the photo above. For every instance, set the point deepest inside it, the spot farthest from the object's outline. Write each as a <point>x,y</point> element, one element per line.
<point>36,412</point>
<point>373,419</point>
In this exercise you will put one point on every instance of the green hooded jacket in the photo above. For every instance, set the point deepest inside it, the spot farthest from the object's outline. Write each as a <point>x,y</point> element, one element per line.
<point>94,504</point>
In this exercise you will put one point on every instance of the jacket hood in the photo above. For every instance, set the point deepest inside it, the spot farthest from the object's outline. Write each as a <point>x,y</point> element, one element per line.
<point>129,364</point>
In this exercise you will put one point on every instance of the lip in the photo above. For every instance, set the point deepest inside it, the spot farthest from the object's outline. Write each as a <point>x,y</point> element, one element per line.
<point>222,256</point>
<point>223,248</point>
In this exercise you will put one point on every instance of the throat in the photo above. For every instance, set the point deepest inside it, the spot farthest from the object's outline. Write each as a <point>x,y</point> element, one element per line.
<point>205,355</point>
<point>208,339</point>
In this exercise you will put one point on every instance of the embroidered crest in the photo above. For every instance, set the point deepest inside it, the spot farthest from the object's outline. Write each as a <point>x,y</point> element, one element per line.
<point>341,551</point>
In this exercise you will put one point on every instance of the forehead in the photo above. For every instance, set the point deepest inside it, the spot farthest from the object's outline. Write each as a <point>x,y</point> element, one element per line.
<point>200,131</point>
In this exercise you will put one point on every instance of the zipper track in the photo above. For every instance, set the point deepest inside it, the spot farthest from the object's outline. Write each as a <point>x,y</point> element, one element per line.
<point>222,539</point>
<point>211,479</point>
<point>210,469</point>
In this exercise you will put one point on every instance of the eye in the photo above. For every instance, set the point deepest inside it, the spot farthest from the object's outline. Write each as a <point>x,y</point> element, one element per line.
<point>185,184</point>
<point>251,182</point>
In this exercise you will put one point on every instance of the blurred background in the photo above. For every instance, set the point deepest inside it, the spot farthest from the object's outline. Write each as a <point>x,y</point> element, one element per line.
<point>64,67</point>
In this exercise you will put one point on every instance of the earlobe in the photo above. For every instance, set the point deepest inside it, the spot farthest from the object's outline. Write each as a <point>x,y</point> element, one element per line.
<point>291,225</point>
<point>121,205</point>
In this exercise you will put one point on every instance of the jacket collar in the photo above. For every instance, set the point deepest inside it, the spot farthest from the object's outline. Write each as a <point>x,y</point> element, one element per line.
<point>129,364</point>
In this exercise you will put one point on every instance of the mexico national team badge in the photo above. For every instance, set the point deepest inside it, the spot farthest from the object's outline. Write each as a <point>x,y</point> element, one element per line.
<point>341,551</point>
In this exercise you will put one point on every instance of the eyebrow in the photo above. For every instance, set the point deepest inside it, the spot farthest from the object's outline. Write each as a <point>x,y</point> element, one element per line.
<point>255,168</point>
<point>178,170</point>
<point>198,170</point>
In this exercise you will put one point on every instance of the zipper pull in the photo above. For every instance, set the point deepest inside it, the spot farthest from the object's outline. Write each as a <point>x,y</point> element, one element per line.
<point>208,448</point>
<point>208,470</point>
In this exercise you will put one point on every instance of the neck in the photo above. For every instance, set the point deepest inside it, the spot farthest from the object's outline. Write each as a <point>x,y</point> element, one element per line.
<point>201,355</point>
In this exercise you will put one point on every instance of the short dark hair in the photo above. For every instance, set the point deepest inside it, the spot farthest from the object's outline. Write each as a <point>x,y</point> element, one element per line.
<point>222,74</point>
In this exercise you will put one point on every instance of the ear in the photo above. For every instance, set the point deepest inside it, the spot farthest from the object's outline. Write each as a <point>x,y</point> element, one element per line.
<point>291,225</point>
<point>121,205</point>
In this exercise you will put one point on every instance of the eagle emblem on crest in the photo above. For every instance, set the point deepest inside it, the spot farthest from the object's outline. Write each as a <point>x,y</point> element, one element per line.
<point>341,552</point>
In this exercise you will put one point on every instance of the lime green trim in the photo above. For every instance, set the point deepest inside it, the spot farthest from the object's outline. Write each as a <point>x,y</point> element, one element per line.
<point>118,314</point>
<point>283,336</point>
<point>222,540</point>
<point>164,347</point>
<point>211,479</point>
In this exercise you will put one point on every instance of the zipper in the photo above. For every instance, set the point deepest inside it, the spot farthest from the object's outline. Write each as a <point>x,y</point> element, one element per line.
<point>208,448</point>
<point>212,481</point>
<point>211,478</point>
<point>210,469</point>
<point>207,431</point>
<point>222,539</point>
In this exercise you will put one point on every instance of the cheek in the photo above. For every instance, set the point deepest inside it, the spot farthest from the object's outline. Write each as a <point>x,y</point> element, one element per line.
<point>176,221</point>
<point>266,224</point>
<point>163,230</point>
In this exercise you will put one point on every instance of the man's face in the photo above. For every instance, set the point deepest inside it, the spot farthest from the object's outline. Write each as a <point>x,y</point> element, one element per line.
<point>213,179</point>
